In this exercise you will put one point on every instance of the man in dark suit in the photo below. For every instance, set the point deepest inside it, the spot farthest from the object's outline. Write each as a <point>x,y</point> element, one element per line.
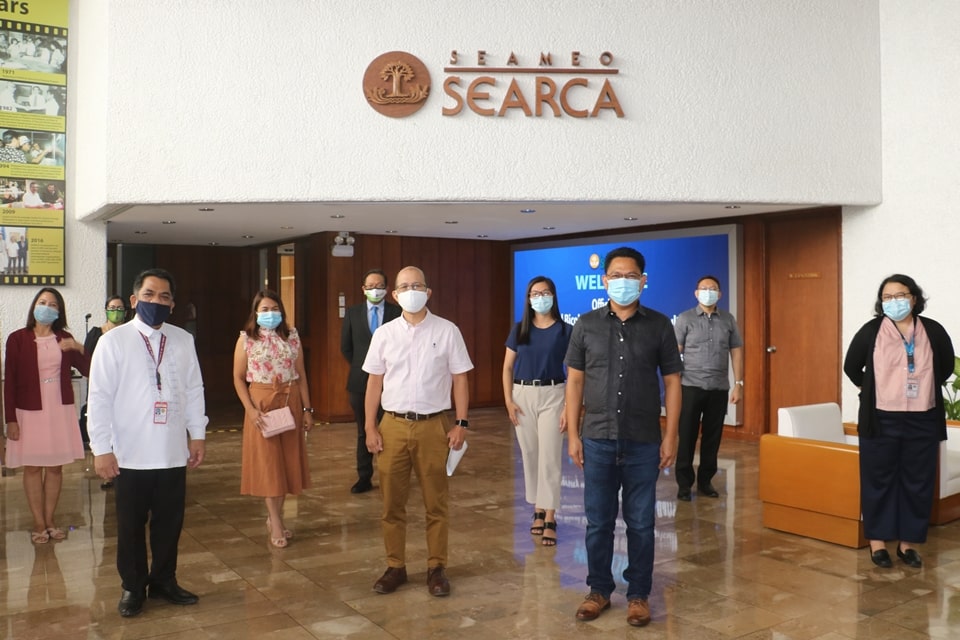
<point>359,324</point>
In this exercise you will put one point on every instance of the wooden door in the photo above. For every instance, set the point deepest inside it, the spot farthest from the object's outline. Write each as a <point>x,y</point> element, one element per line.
<point>803,311</point>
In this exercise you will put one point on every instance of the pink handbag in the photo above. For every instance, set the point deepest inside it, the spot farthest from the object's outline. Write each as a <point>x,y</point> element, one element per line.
<point>276,422</point>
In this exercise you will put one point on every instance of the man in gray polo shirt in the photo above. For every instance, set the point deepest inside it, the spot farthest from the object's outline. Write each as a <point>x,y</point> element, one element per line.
<point>707,336</point>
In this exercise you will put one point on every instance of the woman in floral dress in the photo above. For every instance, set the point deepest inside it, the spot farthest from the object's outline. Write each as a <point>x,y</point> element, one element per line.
<point>268,373</point>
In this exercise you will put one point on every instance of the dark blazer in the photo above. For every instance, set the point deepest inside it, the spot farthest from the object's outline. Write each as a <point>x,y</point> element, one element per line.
<point>858,365</point>
<point>21,384</point>
<point>355,339</point>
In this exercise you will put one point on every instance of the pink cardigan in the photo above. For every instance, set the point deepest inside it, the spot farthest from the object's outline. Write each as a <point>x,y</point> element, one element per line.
<point>21,384</point>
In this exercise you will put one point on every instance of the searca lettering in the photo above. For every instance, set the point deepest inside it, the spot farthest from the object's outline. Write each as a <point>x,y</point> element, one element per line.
<point>553,90</point>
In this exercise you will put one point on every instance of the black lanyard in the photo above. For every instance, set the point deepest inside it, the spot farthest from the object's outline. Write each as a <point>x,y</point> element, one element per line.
<point>156,361</point>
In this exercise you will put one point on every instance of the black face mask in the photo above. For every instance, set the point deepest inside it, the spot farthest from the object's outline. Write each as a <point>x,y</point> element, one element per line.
<point>152,313</point>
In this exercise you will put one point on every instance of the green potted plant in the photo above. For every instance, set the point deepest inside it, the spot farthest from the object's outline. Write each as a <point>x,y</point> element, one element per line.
<point>951,393</point>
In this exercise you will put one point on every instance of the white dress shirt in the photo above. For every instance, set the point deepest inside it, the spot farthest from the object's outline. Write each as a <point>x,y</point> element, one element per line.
<point>123,396</point>
<point>417,363</point>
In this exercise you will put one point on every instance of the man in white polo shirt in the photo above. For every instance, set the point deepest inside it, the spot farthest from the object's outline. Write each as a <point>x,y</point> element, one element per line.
<point>147,424</point>
<point>412,362</point>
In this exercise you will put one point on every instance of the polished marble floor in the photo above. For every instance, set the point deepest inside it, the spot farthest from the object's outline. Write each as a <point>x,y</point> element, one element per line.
<point>719,573</point>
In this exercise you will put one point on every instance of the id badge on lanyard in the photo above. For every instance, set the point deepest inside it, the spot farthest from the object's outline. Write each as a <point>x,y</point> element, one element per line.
<point>160,406</point>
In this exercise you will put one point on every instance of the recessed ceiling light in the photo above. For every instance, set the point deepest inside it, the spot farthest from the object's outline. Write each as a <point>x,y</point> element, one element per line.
<point>205,209</point>
<point>528,210</point>
<point>390,231</point>
<point>169,222</point>
<point>450,222</point>
<point>731,206</point>
<point>286,228</point>
<point>549,228</point>
<point>213,244</point>
<point>246,236</point>
<point>337,216</point>
<point>139,233</point>
<point>482,235</point>
<point>630,218</point>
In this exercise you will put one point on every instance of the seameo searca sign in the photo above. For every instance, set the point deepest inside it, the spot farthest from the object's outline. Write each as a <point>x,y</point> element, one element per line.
<point>576,86</point>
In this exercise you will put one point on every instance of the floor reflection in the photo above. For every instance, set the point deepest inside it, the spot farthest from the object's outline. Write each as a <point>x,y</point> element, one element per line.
<point>718,574</point>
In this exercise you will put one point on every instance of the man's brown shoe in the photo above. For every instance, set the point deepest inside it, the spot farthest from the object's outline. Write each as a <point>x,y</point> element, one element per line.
<point>592,606</point>
<point>638,613</point>
<point>392,578</point>
<point>437,581</point>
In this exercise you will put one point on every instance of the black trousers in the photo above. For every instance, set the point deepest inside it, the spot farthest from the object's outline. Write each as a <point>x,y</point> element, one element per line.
<point>156,495</point>
<point>701,413</point>
<point>898,471</point>
<point>364,457</point>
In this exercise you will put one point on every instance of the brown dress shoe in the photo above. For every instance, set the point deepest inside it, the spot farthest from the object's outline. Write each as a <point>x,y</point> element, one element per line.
<point>437,581</point>
<point>392,578</point>
<point>592,606</point>
<point>638,613</point>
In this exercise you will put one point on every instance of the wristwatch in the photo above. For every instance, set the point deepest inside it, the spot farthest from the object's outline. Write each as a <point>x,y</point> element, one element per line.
<point>739,382</point>
<point>308,409</point>
<point>463,423</point>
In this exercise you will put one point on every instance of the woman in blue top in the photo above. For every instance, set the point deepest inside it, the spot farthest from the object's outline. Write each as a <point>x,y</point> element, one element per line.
<point>533,388</point>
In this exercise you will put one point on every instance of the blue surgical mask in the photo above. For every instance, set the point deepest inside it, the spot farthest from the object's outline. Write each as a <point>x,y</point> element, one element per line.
<point>269,319</point>
<point>708,297</point>
<point>542,304</point>
<point>896,310</point>
<point>153,314</point>
<point>45,315</point>
<point>623,291</point>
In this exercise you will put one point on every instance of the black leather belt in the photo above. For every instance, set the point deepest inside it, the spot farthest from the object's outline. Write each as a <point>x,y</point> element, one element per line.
<point>413,416</point>
<point>538,383</point>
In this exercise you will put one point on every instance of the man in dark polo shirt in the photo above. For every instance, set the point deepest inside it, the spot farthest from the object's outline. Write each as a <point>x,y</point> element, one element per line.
<point>612,363</point>
<point>708,337</point>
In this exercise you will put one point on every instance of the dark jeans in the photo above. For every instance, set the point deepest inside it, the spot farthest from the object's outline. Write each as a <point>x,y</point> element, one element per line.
<point>701,413</point>
<point>608,467</point>
<point>157,495</point>
<point>364,457</point>
<point>898,470</point>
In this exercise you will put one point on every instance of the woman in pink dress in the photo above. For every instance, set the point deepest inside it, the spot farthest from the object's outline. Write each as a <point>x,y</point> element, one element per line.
<point>268,373</point>
<point>42,429</point>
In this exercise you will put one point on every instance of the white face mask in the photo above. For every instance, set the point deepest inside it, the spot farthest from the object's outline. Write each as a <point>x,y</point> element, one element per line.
<point>412,301</point>
<point>375,295</point>
<point>708,297</point>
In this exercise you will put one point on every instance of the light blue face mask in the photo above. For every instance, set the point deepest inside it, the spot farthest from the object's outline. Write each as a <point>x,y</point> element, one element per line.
<point>708,297</point>
<point>269,319</point>
<point>45,315</point>
<point>896,310</point>
<point>542,304</point>
<point>623,291</point>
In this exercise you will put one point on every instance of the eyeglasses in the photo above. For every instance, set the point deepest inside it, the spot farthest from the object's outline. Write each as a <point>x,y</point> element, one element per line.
<point>629,276</point>
<point>416,286</point>
<point>374,286</point>
<point>115,309</point>
<point>709,289</point>
<point>887,297</point>
<point>541,294</point>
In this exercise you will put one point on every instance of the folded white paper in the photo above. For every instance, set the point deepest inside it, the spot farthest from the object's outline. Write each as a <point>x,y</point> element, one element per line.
<point>453,458</point>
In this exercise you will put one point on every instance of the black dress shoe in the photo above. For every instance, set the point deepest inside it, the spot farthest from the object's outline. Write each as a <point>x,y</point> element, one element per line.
<point>173,593</point>
<point>683,494</point>
<point>881,558</point>
<point>708,490</point>
<point>131,603</point>
<point>362,486</point>
<point>392,578</point>
<point>910,557</point>
<point>437,581</point>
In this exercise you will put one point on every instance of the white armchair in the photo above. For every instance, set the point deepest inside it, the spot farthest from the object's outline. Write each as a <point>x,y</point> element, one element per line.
<point>946,499</point>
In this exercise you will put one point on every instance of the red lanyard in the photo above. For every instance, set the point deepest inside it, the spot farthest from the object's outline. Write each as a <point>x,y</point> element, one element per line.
<point>163,343</point>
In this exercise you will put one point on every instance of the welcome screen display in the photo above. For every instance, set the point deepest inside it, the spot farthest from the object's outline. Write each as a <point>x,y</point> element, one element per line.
<point>674,264</point>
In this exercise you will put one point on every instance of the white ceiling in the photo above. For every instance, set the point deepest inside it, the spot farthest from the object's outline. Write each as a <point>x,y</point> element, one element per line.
<point>276,222</point>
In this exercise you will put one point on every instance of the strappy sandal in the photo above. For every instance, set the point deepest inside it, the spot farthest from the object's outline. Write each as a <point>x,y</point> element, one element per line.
<point>56,533</point>
<point>538,530</point>
<point>39,537</point>
<point>279,543</point>
<point>547,541</point>
<point>286,532</point>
